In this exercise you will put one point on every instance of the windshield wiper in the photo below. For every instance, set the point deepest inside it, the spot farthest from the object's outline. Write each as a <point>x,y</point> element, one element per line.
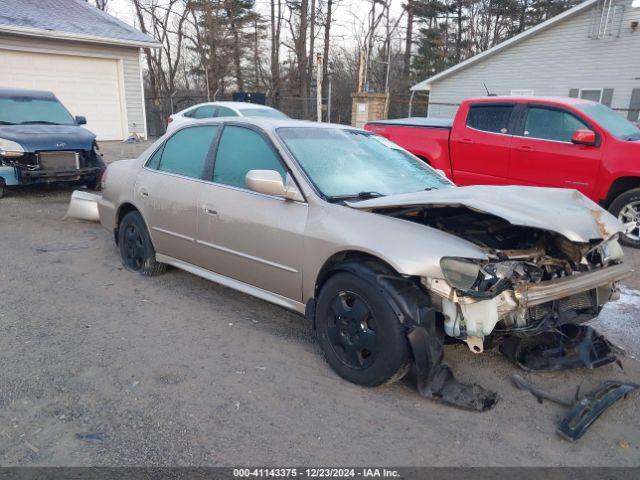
<point>2,122</point>
<point>359,196</point>
<point>44,122</point>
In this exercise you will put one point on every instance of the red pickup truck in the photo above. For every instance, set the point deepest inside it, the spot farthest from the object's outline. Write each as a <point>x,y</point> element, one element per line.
<point>551,142</point>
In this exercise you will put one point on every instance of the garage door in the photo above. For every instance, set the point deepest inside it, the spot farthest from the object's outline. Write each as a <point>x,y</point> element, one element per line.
<point>87,86</point>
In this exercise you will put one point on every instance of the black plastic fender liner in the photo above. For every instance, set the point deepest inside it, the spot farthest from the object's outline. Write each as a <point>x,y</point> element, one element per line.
<point>411,304</point>
<point>588,408</point>
<point>435,380</point>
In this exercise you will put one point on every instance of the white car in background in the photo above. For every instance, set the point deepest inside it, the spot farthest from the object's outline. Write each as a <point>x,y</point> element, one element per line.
<point>222,109</point>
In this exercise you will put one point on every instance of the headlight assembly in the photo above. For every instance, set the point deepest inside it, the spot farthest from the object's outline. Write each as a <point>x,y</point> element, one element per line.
<point>9,148</point>
<point>460,273</point>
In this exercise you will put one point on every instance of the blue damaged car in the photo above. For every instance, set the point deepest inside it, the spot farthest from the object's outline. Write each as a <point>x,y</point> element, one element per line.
<point>41,142</point>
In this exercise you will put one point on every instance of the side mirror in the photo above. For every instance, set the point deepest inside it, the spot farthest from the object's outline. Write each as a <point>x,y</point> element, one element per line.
<point>270,182</point>
<point>584,137</point>
<point>80,120</point>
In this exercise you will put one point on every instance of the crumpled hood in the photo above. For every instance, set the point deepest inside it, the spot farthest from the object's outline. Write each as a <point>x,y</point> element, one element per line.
<point>567,212</point>
<point>49,137</point>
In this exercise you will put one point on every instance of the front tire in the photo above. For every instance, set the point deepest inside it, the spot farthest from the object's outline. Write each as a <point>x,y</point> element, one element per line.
<point>626,208</point>
<point>136,250</point>
<point>359,333</point>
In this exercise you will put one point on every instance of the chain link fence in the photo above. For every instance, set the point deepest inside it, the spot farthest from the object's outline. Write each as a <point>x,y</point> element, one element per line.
<point>158,109</point>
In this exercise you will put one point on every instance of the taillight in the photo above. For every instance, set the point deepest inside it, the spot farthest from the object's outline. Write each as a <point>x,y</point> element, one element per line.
<point>170,119</point>
<point>103,179</point>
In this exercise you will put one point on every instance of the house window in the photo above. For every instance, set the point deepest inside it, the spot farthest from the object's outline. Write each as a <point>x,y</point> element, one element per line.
<point>522,92</point>
<point>593,94</point>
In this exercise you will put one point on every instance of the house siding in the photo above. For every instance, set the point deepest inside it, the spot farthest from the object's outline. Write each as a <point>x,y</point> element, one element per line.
<point>552,62</point>
<point>129,57</point>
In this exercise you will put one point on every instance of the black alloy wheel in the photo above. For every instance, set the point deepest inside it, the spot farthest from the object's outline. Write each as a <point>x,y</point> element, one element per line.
<point>352,330</point>
<point>136,249</point>
<point>359,331</point>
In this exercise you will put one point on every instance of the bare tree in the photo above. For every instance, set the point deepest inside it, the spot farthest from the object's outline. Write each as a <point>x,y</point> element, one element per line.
<point>102,4</point>
<point>164,20</point>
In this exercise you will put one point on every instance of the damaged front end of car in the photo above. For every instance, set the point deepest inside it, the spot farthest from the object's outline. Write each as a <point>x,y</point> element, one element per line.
<point>526,292</point>
<point>545,273</point>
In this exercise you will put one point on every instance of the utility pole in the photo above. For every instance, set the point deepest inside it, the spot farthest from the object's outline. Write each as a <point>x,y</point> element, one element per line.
<point>329,101</point>
<point>361,71</point>
<point>319,85</point>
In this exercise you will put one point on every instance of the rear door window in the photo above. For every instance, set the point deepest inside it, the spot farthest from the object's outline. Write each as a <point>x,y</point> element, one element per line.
<point>185,153</point>
<point>226,112</point>
<point>551,124</point>
<point>490,118</point>
<point>240,150</point>
<point>206,111</point>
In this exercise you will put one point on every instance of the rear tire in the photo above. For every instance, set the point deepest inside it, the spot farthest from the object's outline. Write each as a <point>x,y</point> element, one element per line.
<point>359,333</point>
<point>626,207</point>
<point>136,250</point>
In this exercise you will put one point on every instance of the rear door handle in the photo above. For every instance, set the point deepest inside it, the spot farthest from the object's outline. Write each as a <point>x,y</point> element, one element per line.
<point>144,192</point>
<point>466,140</point>
<point>525,148</point>
<point>209,210</point>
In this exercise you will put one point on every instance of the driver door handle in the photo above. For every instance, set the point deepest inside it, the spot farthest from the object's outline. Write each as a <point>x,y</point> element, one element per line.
<point>525,148</point>
<point>144,192</point>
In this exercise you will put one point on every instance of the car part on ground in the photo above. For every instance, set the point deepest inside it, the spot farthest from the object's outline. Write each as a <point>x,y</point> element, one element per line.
<point>83,206</point>
<point>540,394</point>
<point>567,347</point>
<point>588,408</point>
<point>583,410</point>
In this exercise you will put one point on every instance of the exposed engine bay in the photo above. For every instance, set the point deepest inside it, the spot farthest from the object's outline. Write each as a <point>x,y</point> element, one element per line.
<point>534,280</point>
<point>56,165</point>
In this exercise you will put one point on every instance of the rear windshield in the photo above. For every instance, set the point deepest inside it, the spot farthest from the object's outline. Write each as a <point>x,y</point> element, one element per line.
<point>262,113</point>
<point>611,121</point>
<point>25,110</point>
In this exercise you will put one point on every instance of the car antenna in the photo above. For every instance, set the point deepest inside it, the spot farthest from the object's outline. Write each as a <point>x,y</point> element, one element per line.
<point>489,94</point>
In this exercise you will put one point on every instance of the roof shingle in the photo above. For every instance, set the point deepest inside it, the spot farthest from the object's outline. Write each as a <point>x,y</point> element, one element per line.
<point>76,19</point>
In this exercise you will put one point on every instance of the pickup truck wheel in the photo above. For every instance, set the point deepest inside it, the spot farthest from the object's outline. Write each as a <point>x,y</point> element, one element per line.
<point>359,332</point>
<point>136,249</point>
<point>3,190</point>
<point>627,208</point>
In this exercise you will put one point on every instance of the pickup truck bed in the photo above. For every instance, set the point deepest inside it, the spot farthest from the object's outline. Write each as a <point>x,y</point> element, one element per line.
<point>416,122</point>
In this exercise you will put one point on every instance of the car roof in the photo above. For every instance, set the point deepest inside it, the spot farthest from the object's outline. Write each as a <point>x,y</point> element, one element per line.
<point>269,124</point>
<point>236,105</point>
<point>241,105</point>
<point>22,92</point>
<point>556,100</point>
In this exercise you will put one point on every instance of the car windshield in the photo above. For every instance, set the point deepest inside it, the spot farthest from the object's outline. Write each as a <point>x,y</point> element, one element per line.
<point>262,113</point>
<point>614,123</point>
<point>345,164</point>
<point>21,110</point>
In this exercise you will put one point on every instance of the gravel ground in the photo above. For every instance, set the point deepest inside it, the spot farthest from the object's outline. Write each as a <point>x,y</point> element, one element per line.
<point>103,367</point>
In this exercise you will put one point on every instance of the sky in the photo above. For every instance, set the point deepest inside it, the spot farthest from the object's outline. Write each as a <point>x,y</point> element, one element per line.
<point>347,15</point>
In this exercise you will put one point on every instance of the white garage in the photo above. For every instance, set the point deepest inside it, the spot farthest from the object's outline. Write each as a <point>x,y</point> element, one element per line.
<point>89,60</point>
